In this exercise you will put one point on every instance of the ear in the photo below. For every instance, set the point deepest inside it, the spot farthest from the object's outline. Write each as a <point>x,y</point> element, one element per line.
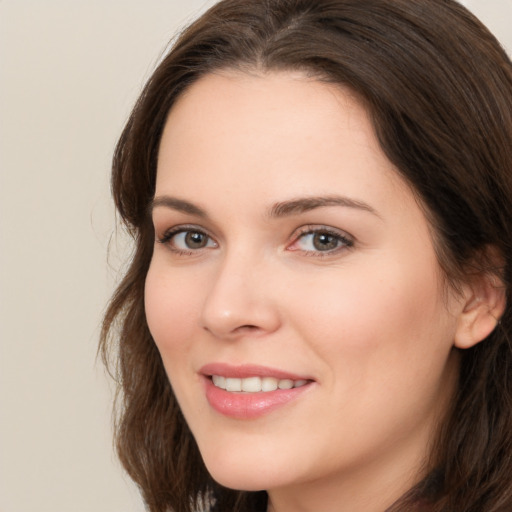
<point>483,304</point>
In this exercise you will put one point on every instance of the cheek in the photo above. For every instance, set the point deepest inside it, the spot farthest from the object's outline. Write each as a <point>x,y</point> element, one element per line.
<point>376,318</point>
<point>384,342</point>
<point>170,303</point>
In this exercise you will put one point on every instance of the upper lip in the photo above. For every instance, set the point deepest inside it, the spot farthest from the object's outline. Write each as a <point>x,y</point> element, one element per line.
<point>248,370</point>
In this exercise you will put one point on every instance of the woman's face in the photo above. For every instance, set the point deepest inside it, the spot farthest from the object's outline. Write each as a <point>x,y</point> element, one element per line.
<point>289,253</point>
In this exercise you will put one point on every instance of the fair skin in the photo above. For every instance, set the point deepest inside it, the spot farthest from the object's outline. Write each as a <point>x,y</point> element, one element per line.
<point>343,294</point>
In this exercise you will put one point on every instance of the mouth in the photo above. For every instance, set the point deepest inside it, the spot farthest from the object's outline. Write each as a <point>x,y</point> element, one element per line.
<point>255,384</point>
<point>250,391</point>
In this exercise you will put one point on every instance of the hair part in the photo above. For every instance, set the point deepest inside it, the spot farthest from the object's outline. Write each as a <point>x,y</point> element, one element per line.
<point>438,88</point>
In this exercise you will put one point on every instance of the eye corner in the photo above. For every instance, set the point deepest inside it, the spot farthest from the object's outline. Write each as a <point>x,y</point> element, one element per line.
<point>186,240</point>
<point>320,241</point>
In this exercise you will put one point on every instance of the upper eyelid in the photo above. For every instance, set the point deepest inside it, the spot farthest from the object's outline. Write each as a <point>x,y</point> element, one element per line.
<point>318,228</point>
<point>180,228</point>
<point>166,239</point>
<point>164,224</point>
<point>346,239</point>
<point>294,236</point>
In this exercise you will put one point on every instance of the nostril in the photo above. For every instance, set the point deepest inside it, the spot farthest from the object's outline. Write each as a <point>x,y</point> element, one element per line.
<point>247,328</point>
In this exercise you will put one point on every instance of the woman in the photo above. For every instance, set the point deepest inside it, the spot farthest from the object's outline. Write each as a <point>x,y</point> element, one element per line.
<point>315,317</point>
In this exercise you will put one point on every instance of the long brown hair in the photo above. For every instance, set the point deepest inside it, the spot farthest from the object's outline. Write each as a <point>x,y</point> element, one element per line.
<point>438,87</point>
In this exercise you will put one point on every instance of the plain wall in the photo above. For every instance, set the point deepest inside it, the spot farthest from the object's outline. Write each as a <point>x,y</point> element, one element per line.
<point>69,74</point>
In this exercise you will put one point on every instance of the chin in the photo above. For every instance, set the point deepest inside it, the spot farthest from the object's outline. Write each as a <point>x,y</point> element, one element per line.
<point>245,477</point>
<point>240,481</point>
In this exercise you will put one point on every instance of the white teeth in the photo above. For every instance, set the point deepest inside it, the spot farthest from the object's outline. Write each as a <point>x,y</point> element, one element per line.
<point>233,384</point>
<point>285,384</point>
<point>269,384</point>
<point>219,381</point>
<point>252,384</point>
<point>255,384</point>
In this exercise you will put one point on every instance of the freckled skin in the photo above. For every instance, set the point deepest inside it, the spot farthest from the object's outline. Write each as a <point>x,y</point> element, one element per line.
<point>369,322</point>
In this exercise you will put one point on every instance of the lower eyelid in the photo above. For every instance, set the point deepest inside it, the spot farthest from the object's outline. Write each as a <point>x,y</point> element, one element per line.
<point>170,235</point>
<point>172,232</point>
<point>342,237</point>
<point>344,240</point>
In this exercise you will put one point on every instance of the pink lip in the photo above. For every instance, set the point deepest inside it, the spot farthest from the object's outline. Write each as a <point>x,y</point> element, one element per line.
<point>248,405</point>
<point>248,370</point>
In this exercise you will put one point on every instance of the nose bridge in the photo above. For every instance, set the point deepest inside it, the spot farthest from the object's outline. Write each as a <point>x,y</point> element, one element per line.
<point>239,299</point>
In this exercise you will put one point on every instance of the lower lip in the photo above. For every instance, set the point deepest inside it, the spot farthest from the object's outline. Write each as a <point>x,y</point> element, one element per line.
<point>240,405</point>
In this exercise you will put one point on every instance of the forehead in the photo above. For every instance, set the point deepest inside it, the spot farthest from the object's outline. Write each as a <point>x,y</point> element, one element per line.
<point>279,134</point>
<point>278,102</point>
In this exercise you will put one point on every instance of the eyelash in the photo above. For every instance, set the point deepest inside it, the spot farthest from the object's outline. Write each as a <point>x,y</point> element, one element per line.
<point>168,236</point>
<point>343,240</point>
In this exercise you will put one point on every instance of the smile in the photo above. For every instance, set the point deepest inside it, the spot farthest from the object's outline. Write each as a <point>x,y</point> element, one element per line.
<point>248,391</point>
<point>255,384</point>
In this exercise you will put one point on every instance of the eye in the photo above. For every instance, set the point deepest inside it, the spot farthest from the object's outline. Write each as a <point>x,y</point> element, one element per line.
<point>186,240</point>
<point>321,240</point>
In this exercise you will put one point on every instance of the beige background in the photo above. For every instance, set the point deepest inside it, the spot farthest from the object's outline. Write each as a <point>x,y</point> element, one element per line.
<point>69,73</point>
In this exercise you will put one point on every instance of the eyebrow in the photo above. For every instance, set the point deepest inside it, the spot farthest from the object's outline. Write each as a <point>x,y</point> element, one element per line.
<point>281,209</point>
<point>302,205</point>
<point>179,205</point>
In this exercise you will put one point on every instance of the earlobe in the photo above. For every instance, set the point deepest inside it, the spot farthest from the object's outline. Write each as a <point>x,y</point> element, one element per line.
<point>484,304</point>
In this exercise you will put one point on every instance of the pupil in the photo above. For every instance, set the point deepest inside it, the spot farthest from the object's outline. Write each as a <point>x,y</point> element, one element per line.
<point>195,240</point>
<point>324,242</point>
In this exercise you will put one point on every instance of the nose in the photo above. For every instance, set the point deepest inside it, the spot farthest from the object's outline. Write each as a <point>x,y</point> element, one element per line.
<point>241,300</point>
